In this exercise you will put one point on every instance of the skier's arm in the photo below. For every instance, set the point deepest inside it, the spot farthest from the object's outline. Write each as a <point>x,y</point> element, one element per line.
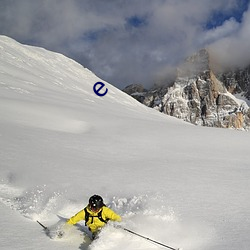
<point>77,217</point>
<point>110,214</point>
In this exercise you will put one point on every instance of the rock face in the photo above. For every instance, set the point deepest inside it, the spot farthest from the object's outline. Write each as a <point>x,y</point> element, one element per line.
<point>237,81</point>
<point>137,91</point>
<point>201,97</point>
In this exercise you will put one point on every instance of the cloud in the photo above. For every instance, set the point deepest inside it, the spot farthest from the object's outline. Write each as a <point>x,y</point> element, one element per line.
<point>233,49</point>
<point>125,41</point>
<point>228,28</point>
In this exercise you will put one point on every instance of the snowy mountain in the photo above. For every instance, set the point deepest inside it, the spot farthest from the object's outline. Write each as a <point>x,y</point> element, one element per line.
<point>201,96</point>
<point>237,81</point>
<point>182,185</point>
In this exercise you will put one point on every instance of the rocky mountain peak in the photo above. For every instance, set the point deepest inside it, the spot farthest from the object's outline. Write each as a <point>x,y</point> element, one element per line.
<point>196,64</point>
<point>200,96</point>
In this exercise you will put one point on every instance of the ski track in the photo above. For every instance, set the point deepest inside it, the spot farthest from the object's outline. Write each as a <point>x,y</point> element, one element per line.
<point>139,215</point>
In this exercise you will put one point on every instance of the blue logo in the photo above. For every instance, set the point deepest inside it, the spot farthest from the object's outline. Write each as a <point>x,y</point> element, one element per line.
<point>97,89</point>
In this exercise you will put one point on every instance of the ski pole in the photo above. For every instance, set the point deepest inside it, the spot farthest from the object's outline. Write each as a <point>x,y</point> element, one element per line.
<point>45,228</point>
<point>146,238</point>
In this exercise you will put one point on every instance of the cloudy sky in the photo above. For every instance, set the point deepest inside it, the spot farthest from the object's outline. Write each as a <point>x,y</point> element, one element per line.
<point>131,41</point>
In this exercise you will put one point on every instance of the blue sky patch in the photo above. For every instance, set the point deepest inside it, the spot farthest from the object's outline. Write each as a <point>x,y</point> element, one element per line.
<point>136,21</point>
<point>219,17</point>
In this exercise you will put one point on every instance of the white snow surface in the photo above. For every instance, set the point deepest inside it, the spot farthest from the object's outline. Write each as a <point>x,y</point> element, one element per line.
<point>182,185</point>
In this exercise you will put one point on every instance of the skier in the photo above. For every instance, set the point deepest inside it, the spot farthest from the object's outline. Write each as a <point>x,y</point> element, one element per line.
<point>95,214</point>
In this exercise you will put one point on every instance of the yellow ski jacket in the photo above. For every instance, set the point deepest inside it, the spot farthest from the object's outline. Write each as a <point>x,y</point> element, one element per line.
<point>94,223</point>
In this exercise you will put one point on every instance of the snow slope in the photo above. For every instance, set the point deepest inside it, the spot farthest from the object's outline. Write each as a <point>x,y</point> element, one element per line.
<point>176,183</point>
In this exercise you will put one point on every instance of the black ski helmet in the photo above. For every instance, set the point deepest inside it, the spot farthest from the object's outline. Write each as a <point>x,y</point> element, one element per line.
<point>96,202</point>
